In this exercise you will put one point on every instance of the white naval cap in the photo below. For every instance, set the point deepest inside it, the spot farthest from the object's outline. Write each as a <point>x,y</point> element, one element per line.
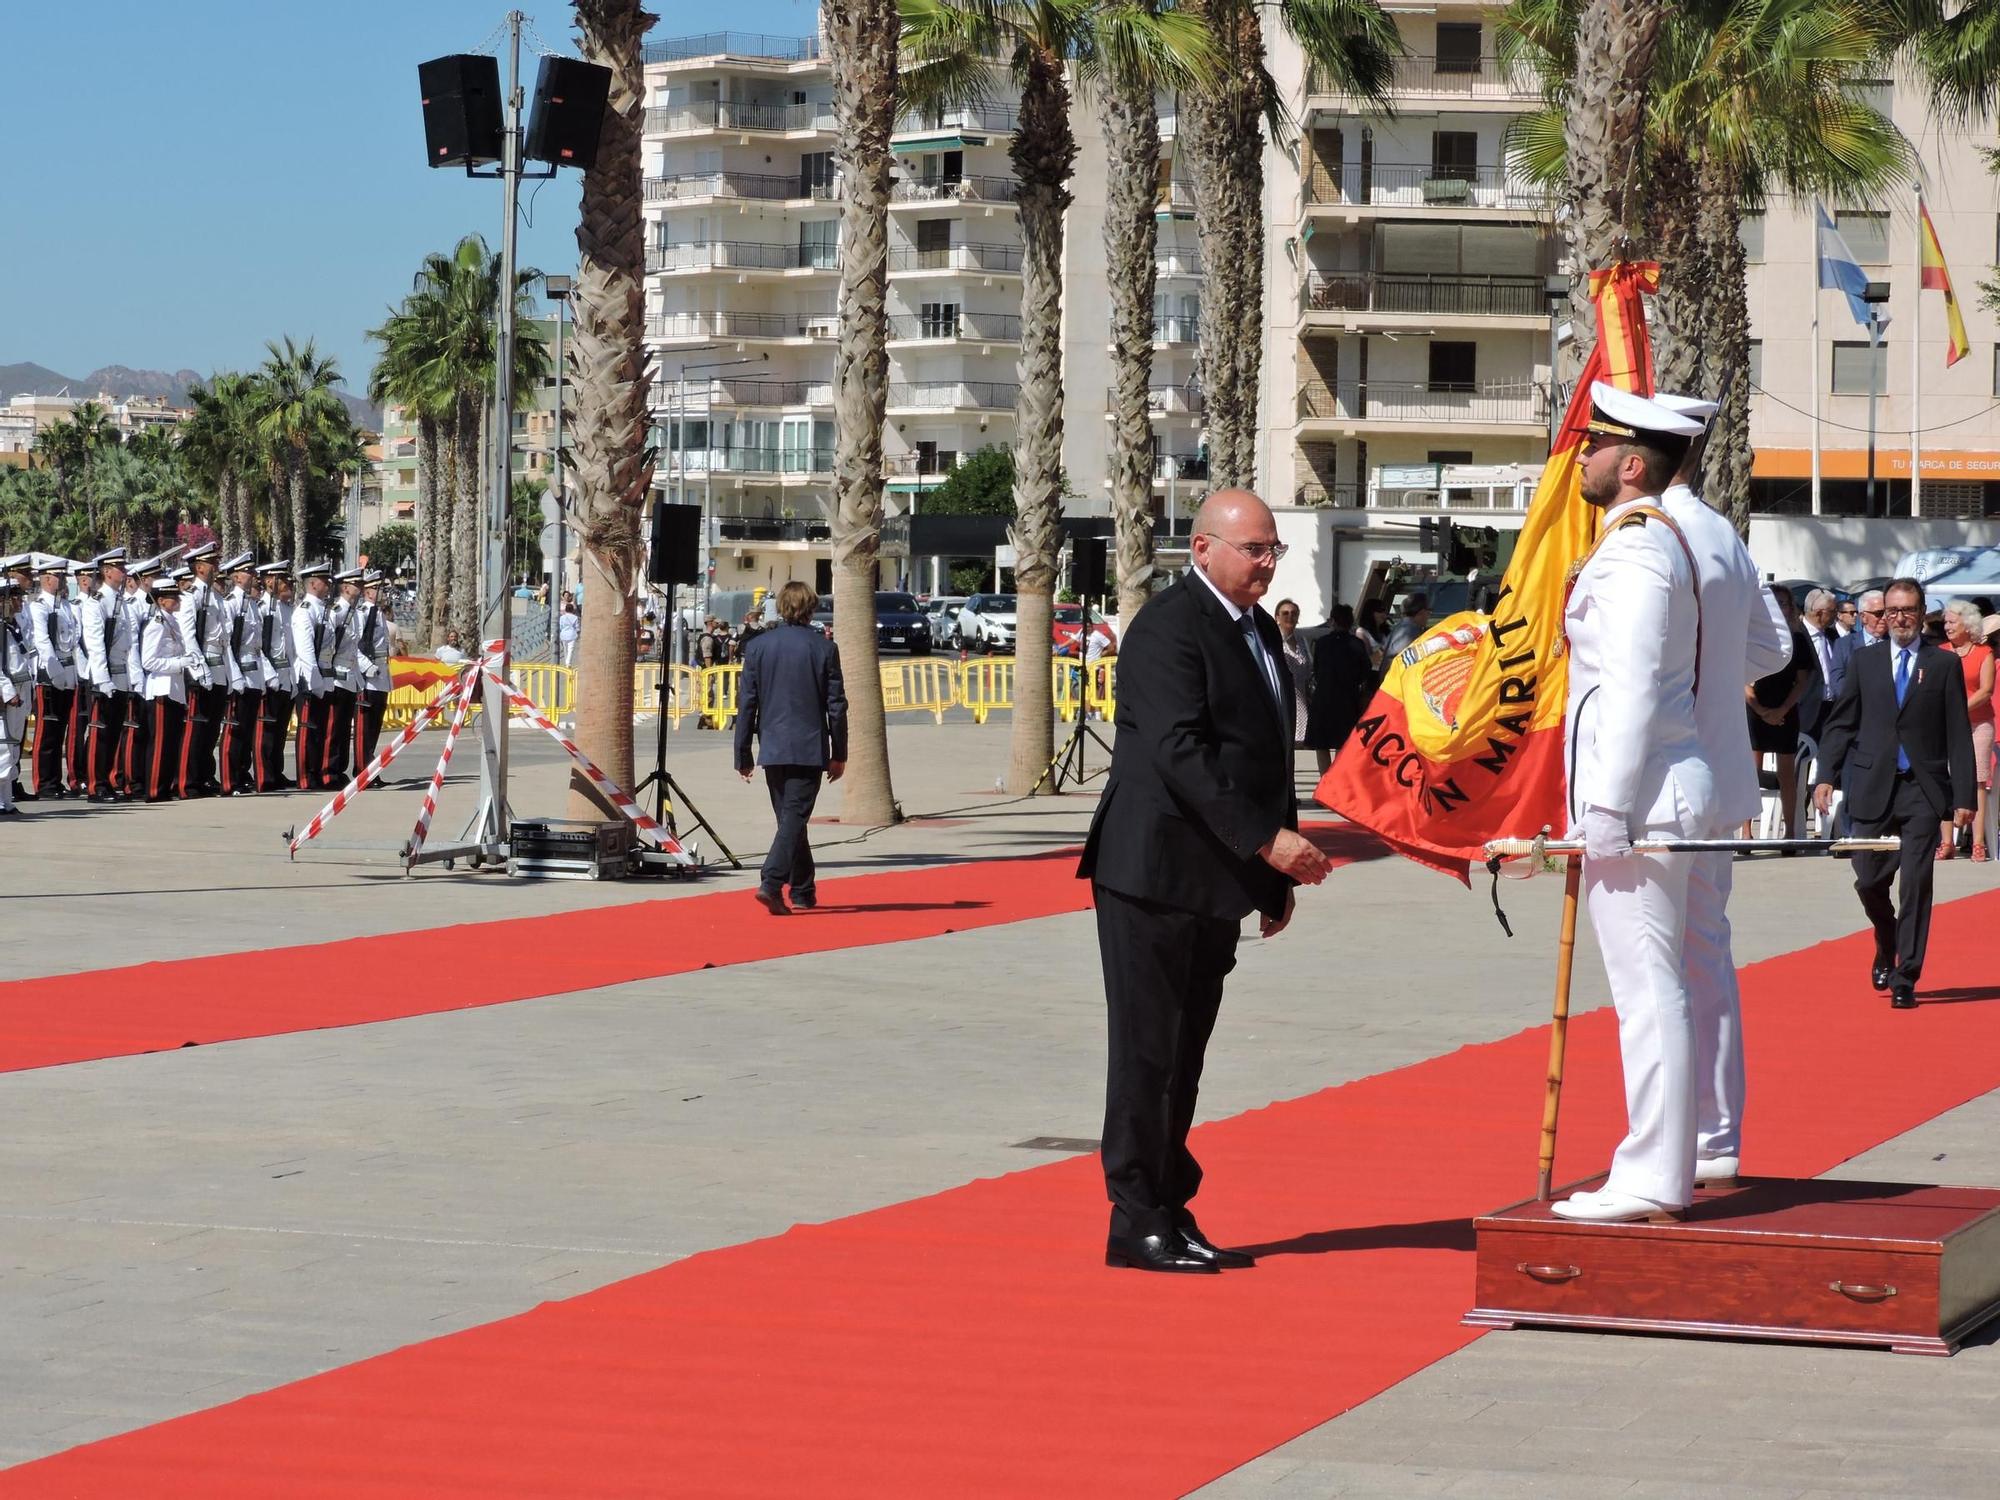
<point>1621,414</point>
<point>275,569</point>
<point>316,570</point>
<point>200,552</point>
<point>114,556</point>
<point>240,562</point>
<point>1686,406</point>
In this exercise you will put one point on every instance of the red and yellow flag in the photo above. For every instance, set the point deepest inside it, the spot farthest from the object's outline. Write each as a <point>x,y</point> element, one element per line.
<point>1938,279</point>
<point>1463,742</point>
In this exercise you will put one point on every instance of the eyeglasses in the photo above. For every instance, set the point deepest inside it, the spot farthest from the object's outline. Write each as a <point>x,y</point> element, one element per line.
<point>1871,614</point>
<point>1900,612</point>
<point>1846,609</point>
<point>1257,552</point>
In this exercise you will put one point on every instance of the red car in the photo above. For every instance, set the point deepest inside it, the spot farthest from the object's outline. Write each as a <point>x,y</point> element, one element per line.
<point>1068,625</point>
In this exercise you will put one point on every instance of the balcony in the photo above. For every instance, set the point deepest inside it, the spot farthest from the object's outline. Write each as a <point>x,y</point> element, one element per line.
<point>701,395</point>
<point>960,327</point>
<point>769,529</point>
<point>987,119</point>
<point>741,255</point>
<point>992,191</point>
<point>1177,200</point>
<point>992,260</point>
<point>1404,294</point>
<point>1481,82</point>
<point>1496,408</point>
<point>1336,496</point>
<point>1423,188</point>
<point>920,468</point>
<point>738,46</point>
<point>1171,265</point>
<point>772,462</point>
<point>763,326</point>
<point>762,187</point>
<point>952,395</point>
<point>1176,332</point>
<point>1162,401</point>
<point>742,115</point>
<point>1179,466</point>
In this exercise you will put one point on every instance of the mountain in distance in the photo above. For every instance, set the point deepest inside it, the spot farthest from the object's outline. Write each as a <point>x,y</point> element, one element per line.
<point>120,381</point>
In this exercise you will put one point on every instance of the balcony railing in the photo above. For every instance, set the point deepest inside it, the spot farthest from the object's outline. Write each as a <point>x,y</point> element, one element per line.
<point>739,114</point>
<point>1451,78</point>
<point>763,186</point>
<point>750,44</point>
<point>919,465</point>
<point>1339,496</point>
<point>1002,259</point>
<point>956,190</point>
<point>1423,292</point>
<point>989,328</point>
<point>741,255</point>
<point>1423,187</point>
<point>743,325</point>
<point>1420,402</point>
<point>1176,330</point>
<point>953,395</point>
<point>997,118</point>
<point>698,395</point>
<point>1163,401</point>
<point>770,529</point>
<point>1178,198</point>
<point>1178,263</point>
<point>1180,466</point>
<point>771,460</point>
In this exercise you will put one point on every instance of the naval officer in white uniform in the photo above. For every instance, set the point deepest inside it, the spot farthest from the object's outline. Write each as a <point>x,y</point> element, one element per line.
<point>1638,768</point>
<point>1744,637</point>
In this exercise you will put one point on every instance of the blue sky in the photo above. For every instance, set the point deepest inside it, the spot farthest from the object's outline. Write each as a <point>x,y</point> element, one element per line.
<point>187,181</point>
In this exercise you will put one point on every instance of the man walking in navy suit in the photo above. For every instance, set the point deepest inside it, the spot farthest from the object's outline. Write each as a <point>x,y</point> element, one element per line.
<point>791,698</point>
<point>1900,731</point>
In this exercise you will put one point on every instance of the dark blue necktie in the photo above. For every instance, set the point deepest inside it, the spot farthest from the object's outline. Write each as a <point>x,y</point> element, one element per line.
<point>1902,691</point>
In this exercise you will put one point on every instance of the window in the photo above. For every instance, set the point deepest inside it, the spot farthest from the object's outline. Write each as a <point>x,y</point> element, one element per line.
<point>819,243</point>
<point>1850,369</point>
<point>1455,154</point>
<point>1454,366</point>
<point>1458,46</point>
<point>1996,369</point>
<point>1752,235</point>
<point>1866,233</point>
<point>816,174</point>
<point>1757,364</point>
<point>934,234</point>
<point>938,320</point>
<point>1448,456</point>
<point>1878,94</point>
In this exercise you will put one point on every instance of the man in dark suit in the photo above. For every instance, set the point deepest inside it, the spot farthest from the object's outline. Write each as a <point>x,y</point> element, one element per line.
<point>1900,731</point>
<point>1196,829</point>
<point>790,696</point>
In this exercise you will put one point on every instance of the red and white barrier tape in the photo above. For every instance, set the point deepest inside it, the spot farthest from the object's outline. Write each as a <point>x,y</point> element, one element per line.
<point>463,698</point>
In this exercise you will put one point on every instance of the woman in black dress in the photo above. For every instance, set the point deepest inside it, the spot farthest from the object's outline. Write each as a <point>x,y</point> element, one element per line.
<point>1343,680</point>
<point>1774,712</point>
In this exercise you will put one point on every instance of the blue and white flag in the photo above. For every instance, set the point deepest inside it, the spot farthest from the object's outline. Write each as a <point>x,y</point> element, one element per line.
<point>1839,268</point>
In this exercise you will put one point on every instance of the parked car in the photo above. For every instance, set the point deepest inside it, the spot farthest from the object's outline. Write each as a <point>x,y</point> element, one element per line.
<point>823,617</point>
<point>1949,573</point>
<point>1068,627</point>
<point>986,623</point>
<point>942,613</point>
<point>900,624</point>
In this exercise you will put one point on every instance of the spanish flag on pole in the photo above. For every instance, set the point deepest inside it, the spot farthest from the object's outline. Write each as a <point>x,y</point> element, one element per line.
<point>1463,742</point>
<point>1937,278</point>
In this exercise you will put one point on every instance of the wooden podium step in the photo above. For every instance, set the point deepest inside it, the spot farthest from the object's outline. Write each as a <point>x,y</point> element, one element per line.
<point>1915,1269</point>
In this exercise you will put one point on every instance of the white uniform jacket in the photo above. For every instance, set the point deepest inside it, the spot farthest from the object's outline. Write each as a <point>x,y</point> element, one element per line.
<point>1632,742</point>
<point>107,640</point>
<point>312,646</point>
<point>54,627</point>
<point>1743,637</point>
<point>275,643</point>
<point>344,667</point>
<point>17,661</point>
<point>246,629</point>
<point>205,624</point>
<point>139,609</point>
<point>168,658</point>
<point>370,628</point>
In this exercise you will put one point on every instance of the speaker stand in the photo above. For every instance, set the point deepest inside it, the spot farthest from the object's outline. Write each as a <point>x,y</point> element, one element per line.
<point>669,793</point>
<point>1068,761</point>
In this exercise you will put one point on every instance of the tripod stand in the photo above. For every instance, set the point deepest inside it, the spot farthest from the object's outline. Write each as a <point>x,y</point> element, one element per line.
<point>1068,762</point>
<point>667,791</point>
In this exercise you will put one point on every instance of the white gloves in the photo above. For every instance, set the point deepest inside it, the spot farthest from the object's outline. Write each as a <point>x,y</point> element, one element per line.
<point>1605,835</point>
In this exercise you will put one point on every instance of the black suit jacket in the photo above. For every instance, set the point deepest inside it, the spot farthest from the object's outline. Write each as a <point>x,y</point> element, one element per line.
<point>1864,729</point>
<point>1201,774</point>
<point>791,697</point>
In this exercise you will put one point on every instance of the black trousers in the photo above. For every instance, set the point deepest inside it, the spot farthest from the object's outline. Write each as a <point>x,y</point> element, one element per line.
<point>794,790</point>
<point>167,723</point>
<point>339,737</point>
<point>314,715</point>
<point>135,748</point>
<point>54,708</point>
<point>1902,930</point>
<point>267,745</point>
<point>76,744</point>
<point>207,709</point>
<point>108,712</point>
<point>368,710</point>
<point>239,737</point>
<point>1163,973</point>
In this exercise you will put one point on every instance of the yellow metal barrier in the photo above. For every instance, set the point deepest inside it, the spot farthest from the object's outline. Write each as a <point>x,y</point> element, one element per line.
<point>1103,688</point>
<point>549,686</point>
<point>1068,686</point>
<point>985,684</point>
<point>718,695</point>
<point>921,685</point>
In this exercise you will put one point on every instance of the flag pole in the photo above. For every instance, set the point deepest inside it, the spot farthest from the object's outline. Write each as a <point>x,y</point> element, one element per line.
<point>1917,364</point>
<point>1815,396</point>
<point>1559,1029</point>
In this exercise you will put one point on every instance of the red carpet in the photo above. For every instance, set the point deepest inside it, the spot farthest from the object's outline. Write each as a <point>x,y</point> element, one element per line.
<point>969,1343</point>
<point>154,1007</point>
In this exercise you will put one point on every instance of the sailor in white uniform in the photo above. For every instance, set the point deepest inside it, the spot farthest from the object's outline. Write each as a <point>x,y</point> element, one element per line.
<point>1638,768</point>
<point>312,672</point>
<point>170,658</point>
<point>1744,637</point>
<point>17,680</point>
<point>53,627</point>
<point>275,714</point>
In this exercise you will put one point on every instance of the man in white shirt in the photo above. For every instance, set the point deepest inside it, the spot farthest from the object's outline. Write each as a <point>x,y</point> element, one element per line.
<point>312,671</point>
<point>204,622</point>
<point>17,679</point>
<point>53,627</point>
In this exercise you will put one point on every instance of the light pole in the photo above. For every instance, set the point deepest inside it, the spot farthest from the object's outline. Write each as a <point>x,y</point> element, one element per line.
<point>1556,290</point>
<point>1875,294</point>
<point>557,290</point>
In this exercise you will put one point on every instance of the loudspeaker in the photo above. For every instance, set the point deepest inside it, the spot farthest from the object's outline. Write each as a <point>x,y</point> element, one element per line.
<point>676,554</point>
<point>462,126</point>
<point>1086,568</point>
<point>568,113</point>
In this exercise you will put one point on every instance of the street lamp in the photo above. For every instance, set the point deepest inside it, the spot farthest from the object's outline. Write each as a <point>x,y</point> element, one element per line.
<point>1875,294</point>
<point>557,290</point>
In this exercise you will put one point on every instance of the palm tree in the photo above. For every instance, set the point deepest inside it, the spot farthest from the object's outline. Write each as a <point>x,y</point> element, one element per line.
<point>70,448</point>
<point>221,444</point>
<point>295,409</point>
<point>862,37</point>
<point>405,376</point>
<point>611,466</point>
<point>1956,47</point>
<point>1350,45</point>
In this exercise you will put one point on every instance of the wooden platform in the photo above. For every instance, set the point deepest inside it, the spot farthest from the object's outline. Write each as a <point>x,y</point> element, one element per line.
<point>1914,1269</point>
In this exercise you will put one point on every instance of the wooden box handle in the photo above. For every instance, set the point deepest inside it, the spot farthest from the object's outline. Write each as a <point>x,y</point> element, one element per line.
<point>1551,1273</point>
<point>1863,1293</point>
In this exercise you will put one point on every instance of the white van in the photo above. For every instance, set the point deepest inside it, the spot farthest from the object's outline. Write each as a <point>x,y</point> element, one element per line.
<point>1949,573</point>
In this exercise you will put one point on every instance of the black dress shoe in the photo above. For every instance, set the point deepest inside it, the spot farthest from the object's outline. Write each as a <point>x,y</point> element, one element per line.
<point>1201,1248</point>
<point>1879,976</point>
<point>773,902</point>
<point>1903,996</point>
<point>1156,1252</point>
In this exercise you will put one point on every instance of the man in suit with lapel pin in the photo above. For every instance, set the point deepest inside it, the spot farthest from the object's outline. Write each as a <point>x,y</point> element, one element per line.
<point>1901,732</point>
<point>1196,829</point>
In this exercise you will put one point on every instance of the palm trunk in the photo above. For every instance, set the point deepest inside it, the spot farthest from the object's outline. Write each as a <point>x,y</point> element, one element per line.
<point>1044,151</point>
<point>611,469</point>
<point>296,479</point>
<point>1672,209</point>
<point>468,536</point>
<point>430,559</point>
<point>1726,343</point>
<point>1615,44</point>
<point>1131,237</point>
<point>861,38</point>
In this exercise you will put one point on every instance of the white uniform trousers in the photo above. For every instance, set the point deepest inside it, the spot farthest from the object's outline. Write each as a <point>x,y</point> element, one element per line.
<point>13,725</point>
<point>1709,971</point>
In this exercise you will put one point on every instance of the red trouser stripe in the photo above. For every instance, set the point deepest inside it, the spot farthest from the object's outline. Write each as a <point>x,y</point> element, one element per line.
<point>159,746</point>
<point>187,741</point>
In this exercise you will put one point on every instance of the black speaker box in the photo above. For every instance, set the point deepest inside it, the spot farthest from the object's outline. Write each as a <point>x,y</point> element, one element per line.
<point>676,554</point>
<point>462,124</point>
<point>1087,562</point>
<point>568,112</point>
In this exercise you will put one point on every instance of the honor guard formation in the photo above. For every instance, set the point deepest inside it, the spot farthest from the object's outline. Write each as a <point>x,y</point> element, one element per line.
<point>182,676</point>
